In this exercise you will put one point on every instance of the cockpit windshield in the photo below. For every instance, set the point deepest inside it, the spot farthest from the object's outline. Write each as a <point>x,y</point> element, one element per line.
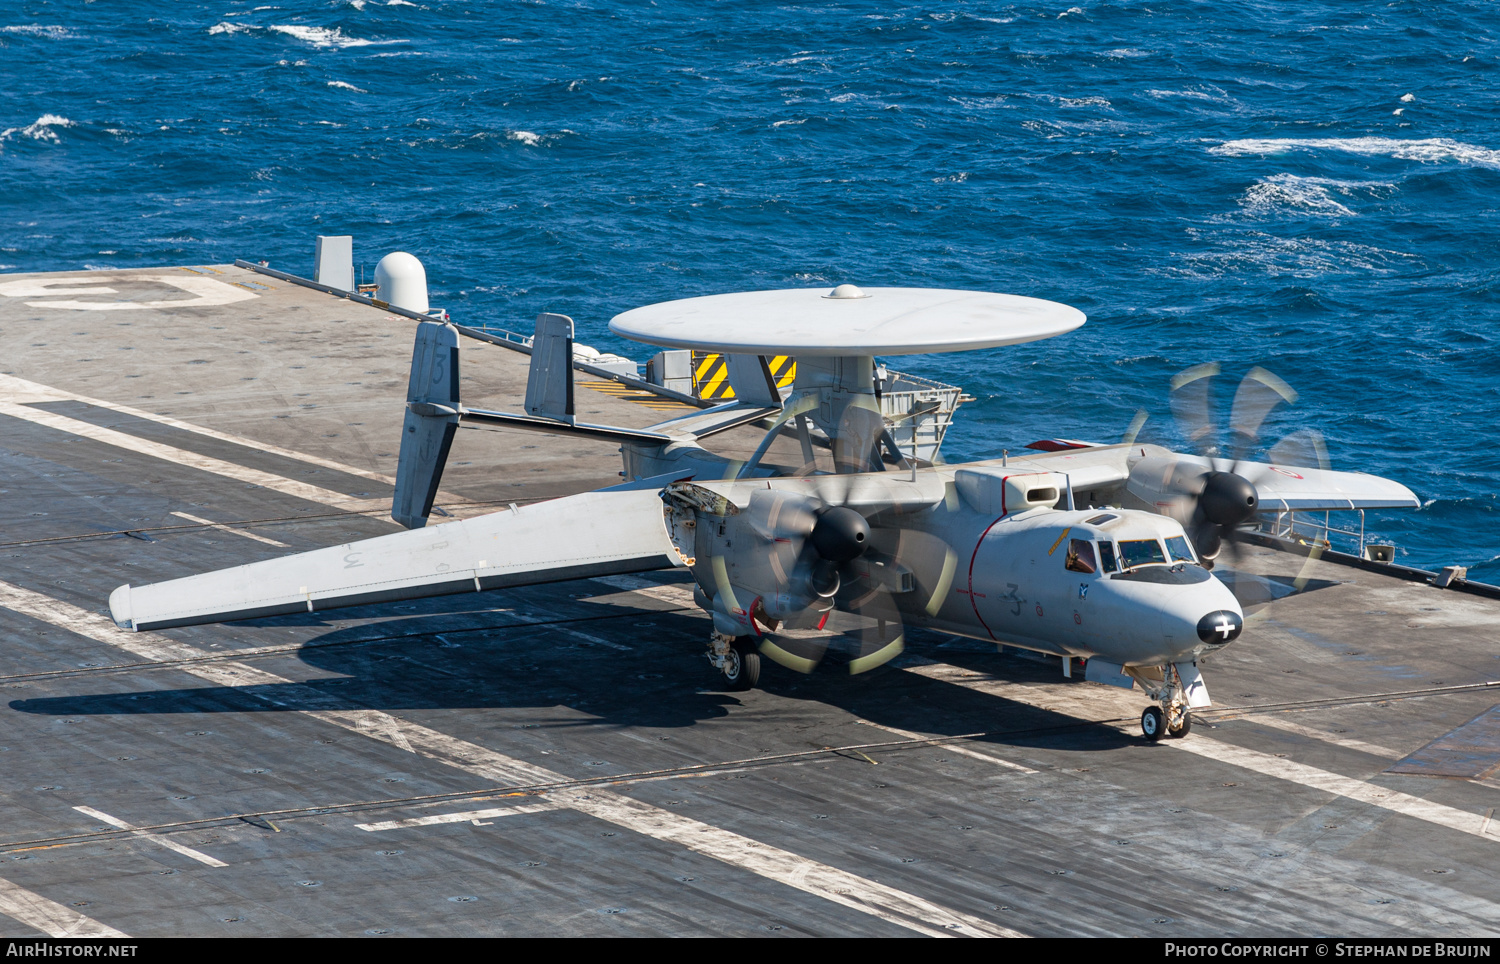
<point>1140,552</point>
<point>1178,549</point>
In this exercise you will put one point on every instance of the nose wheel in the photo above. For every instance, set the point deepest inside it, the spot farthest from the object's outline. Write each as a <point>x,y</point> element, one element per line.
<point>1172,720</point>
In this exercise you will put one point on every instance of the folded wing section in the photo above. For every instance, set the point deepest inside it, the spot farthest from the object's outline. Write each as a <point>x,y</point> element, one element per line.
<point>593,534</point>
<point>1295,488</point>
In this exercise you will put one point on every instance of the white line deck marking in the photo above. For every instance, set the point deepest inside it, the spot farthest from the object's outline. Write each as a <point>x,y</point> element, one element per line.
<point>1212,749</point>
<point>773,863</point>
<point>1282,723</point>
<point>204,463</point>
<point>155,838</point>
<point>49,917</point>
<point>1335,783</point>
<point>19,389</point>
<point>224,528</point>
<point>467,816</point>
<point>953,747</point>
<point>820,880</point>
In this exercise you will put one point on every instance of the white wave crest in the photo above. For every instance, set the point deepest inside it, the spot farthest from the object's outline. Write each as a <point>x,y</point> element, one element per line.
<point>1261,253</point>
<point>785,123</point>
<point>1216,95</point>
<point>1427,150</point>
<point>525,137</point>
<point>39,130</point>
<point>50,31</point>
<point>325,37</point>
<point>399,3</point>
<point>1281,193</point>
<point>344,86</point>
<point>1126,53</point>
<point>231,28</point>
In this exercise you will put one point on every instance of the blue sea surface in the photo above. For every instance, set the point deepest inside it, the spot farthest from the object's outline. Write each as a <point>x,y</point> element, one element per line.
<point>1310,187</point>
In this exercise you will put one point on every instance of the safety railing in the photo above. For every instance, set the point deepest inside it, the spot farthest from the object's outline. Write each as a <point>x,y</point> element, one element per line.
<point>1305,527</point>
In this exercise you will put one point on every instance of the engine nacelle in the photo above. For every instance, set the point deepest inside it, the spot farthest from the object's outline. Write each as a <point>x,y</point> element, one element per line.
<point>1165,485</point>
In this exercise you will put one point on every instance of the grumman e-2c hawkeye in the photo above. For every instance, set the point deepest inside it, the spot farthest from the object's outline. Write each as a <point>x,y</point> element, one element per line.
<point>1095,551</point>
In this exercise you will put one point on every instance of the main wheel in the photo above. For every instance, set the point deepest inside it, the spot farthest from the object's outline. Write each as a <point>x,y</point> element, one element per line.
<point>1183,727</point>
<point>742,668</point>
<point>1153,723</point>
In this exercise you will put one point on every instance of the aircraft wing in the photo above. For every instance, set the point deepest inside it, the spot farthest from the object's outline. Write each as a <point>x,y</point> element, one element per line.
<point>593,534</point>
<point>1282,488</point>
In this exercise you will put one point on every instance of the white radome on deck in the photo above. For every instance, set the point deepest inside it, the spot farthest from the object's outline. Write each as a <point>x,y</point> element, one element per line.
<point>847,321</point>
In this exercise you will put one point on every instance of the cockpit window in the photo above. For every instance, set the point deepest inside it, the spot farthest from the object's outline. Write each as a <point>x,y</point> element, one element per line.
<point>1178,549</point>
<point>1107,555</point>
<point>1140,552</point>
<point>1081,556</point>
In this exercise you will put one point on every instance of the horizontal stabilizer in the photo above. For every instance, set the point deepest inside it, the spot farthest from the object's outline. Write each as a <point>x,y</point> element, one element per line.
<point>430,423</point>
<point>581,536</point>
<point>608,433</point>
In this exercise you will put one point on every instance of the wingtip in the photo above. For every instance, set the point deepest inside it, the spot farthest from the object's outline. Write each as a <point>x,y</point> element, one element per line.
<point>119,608</point>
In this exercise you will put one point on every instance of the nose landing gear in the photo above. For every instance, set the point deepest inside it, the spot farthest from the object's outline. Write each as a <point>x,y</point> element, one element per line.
<point>1171,718</point>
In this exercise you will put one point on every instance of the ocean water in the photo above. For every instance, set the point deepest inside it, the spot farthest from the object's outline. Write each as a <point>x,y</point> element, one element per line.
<point>1310,187</point>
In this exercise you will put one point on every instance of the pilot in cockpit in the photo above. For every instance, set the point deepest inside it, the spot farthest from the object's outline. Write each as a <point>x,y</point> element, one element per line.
<point>1081,556</point>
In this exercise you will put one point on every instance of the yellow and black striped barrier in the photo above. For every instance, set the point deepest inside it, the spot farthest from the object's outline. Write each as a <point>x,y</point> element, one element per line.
<point>711,374</point>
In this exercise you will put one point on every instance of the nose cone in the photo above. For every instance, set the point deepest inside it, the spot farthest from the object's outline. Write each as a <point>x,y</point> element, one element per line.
<point>1220,627</point>
<point>1201,618</point>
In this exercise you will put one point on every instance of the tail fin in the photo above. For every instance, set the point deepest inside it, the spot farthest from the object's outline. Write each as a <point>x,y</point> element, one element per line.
<point>549,384</point>
<point>431,422</point>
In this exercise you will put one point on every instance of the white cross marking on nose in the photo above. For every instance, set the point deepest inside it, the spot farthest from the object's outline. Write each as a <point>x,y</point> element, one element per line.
<point>1225,626</point>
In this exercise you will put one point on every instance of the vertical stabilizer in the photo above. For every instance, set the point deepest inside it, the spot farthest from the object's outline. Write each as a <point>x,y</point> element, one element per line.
<point>431,421</point>
<point>752,380</point>
<point>549,386</point>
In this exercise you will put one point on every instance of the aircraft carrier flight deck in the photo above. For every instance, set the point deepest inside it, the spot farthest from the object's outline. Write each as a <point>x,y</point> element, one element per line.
<point>562,760</point>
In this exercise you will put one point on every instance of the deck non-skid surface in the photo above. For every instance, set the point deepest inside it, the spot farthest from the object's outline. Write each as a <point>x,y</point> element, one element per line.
<point>562,761</point>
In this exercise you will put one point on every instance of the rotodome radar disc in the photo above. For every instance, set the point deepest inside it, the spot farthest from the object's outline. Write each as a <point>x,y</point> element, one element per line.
<point>847,321</point>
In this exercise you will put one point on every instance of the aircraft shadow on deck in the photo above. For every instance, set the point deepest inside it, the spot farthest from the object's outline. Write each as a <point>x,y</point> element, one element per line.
<point>1253,590</point>
<point>448,658</point>
<point>892,697</point>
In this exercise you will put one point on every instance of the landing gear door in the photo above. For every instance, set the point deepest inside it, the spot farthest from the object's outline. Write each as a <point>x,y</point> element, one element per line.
<point>1194,690</point>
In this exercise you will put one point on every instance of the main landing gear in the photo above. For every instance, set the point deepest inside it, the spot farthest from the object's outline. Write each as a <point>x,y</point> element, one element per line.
<point>1171,718</point>
<point>737,658</point>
